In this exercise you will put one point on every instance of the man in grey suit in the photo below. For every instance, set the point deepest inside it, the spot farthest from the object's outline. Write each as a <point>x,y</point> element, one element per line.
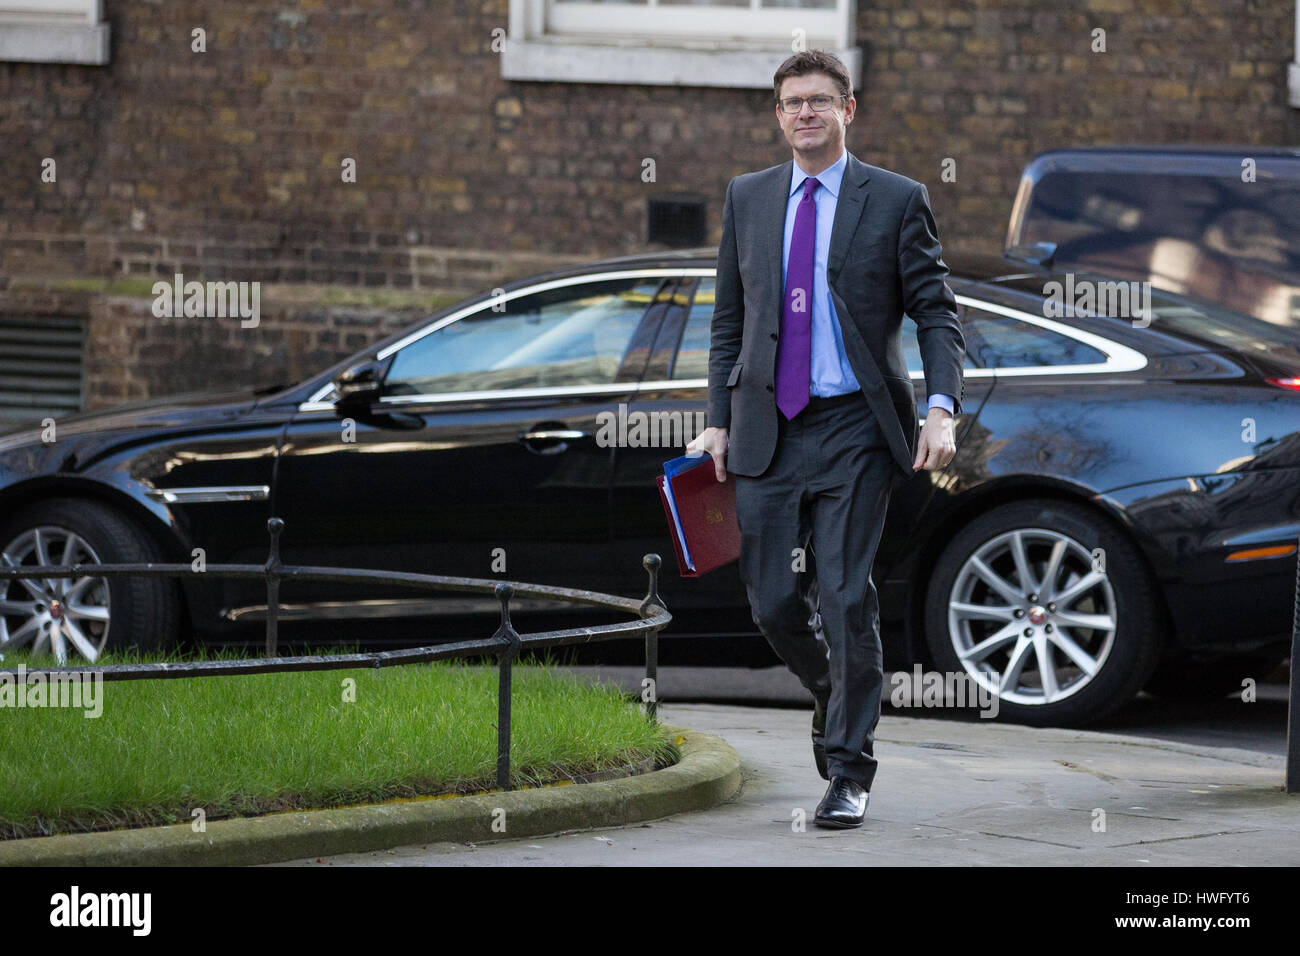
<point>810,403</point>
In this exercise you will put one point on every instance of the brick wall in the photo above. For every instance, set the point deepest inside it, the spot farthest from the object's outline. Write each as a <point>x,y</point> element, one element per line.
<point>131,354</point>
<point>992,83</point>
<point>229,160</point>
<point>357,258</point>
<point>226,164</point>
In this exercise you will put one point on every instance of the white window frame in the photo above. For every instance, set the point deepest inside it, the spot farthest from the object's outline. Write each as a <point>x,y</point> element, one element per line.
<point>54,31</point>
<point>657,42</point>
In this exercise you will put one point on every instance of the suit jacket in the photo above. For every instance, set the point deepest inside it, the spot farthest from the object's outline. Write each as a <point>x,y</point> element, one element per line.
<point>884,261</point>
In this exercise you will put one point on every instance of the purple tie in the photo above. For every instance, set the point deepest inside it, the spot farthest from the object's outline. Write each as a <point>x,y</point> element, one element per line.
<point>794,350</point>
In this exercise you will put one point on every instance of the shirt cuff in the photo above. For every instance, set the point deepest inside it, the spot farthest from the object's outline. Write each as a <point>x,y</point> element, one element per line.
<point>942,401</point>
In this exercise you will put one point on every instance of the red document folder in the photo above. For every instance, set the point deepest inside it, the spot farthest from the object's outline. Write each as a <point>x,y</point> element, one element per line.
<point>706,508</point>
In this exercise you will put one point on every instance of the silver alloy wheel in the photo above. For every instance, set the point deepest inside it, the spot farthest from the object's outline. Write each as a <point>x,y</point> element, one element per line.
<point>1032,592</point>
<point>53,614</point>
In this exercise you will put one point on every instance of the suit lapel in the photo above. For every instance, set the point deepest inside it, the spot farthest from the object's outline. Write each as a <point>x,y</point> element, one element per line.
<point>771,223</point>
<point>848,211</point>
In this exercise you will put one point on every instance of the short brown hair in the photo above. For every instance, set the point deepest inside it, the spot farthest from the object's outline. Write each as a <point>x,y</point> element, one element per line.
<point>813,61</point>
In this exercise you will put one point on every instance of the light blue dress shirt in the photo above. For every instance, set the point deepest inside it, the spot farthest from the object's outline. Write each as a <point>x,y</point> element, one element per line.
<point>831,373</point>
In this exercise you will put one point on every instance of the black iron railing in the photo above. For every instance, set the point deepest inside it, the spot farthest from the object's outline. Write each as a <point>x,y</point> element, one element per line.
<point>506,643</point>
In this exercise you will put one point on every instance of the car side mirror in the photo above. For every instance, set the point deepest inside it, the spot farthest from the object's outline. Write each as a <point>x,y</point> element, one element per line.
<point>1035,254</point>
<point>361,384</point>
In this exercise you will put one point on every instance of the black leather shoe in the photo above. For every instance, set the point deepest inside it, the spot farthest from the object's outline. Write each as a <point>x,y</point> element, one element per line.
<point>819,738</point>
<point>844,806</point>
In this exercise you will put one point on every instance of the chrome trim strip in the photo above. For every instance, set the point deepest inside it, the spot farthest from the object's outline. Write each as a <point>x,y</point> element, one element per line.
<point>1278,534</point>
<point>189,496</point>
<point>560,435</point>
<point>549,391</point>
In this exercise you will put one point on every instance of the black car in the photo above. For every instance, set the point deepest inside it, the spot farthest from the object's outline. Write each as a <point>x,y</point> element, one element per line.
<point>1220,223</point>
<point>1122,512</point>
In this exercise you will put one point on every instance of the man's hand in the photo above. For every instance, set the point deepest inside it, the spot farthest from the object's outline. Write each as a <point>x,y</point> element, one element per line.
<point>936,447</point>
<point>714,441</point>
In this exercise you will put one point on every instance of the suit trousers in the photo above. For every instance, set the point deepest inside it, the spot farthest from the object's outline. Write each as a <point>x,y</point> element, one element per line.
<point>809,529</point>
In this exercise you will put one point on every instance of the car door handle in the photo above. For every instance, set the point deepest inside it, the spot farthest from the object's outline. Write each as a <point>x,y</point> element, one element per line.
<point>554,434</point>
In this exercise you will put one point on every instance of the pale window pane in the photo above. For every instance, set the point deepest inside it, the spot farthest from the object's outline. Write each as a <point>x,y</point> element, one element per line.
<point>575,335</point>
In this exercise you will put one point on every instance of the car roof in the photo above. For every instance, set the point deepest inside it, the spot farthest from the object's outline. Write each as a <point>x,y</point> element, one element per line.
<point>1180,149</point>
<point>968,266</point>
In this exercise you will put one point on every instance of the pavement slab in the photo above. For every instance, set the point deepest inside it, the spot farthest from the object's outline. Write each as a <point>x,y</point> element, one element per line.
<point>948,793</point>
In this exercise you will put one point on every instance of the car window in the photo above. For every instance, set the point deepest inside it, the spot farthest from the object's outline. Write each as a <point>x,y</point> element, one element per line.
<point>693,352</point>
<point>573,335</point>
<point>1002,341</point>
<point>912,351</point>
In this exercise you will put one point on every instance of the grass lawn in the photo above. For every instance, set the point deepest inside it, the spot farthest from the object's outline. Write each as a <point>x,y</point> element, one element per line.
<point>239,746</point>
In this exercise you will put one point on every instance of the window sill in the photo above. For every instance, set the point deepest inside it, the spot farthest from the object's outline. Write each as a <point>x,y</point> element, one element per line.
<point>637,62</point>
<point>41,43</point>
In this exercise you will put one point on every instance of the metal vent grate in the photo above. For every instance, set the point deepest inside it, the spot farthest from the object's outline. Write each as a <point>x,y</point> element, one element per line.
<point>676,219</point>
<point>40,369</point>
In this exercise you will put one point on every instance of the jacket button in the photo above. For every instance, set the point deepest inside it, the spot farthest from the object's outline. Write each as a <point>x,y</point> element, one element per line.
<point>773,336</point>
<point>769,388</point>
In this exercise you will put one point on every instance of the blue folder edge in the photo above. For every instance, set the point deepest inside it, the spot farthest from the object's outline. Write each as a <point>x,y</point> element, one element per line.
<point>671,469</point>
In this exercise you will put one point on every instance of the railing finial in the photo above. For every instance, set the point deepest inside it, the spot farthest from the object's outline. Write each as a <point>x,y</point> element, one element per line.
<point>276,527</point>
<point>652,564</point>
<point>649,607</point>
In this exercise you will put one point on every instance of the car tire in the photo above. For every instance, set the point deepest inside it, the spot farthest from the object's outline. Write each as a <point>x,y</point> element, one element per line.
<point>141,613</point>
<point>1203,681</point>
<point>1093,670</point>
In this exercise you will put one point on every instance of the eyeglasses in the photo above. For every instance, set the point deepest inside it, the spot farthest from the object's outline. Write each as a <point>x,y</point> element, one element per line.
<point>821,103</point>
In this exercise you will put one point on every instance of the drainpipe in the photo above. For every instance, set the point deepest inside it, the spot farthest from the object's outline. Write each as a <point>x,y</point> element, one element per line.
<point>1293,74</point>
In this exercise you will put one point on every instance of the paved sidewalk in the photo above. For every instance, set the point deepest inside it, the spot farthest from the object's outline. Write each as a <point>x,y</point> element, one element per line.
<point>948,792</point>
